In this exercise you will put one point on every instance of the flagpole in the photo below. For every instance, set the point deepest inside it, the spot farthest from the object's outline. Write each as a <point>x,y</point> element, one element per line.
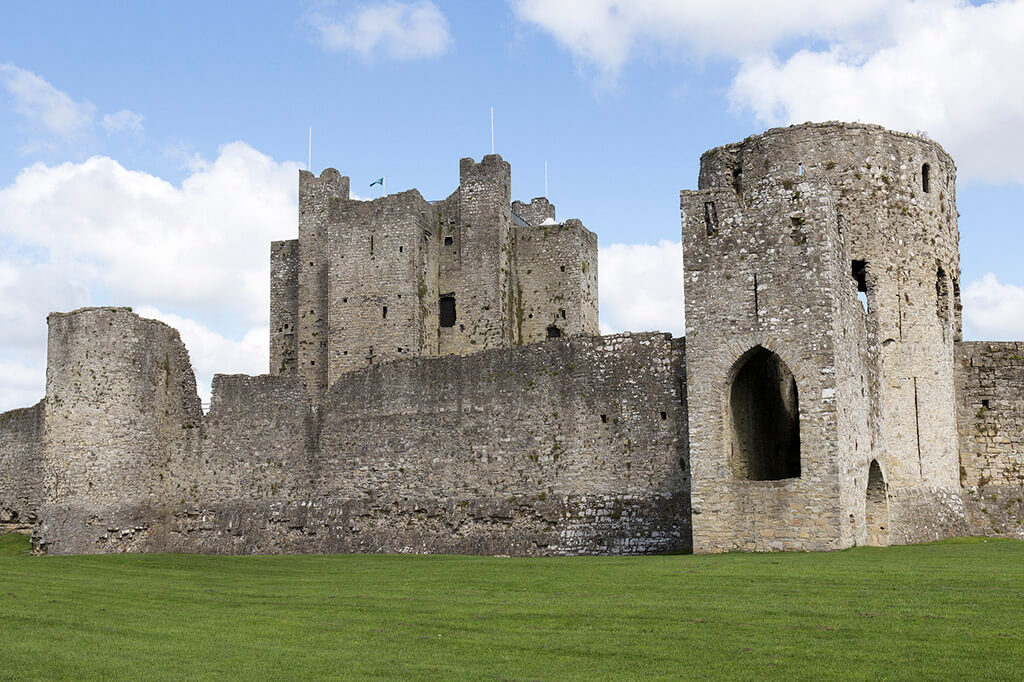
<point>492,130</point>
<point>309,162</point>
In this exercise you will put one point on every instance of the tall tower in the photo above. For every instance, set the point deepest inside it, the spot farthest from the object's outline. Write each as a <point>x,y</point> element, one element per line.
<point>822,305</point>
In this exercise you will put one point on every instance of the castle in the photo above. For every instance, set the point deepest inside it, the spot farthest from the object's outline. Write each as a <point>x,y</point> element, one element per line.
<point>436,382</point>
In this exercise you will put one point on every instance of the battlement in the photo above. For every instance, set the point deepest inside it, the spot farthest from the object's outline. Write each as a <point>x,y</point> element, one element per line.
<point>539,211</point>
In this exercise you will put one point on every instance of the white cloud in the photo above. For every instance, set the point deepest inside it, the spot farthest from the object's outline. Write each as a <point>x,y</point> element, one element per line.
<point>43,105</point>
<point>607,33</point>
<point>95,233</point>
<point>641,287</point>
<point>23,384</point>
<point>51,116</point>
<point>993,311</point>
<point>212,352</point>
<point>950,73</point>
<point>400,30</point>
<point>123,121</point>
<point>144,241</point>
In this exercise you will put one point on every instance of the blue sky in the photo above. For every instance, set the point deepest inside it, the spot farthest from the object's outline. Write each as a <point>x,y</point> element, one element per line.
<point>150,150</point>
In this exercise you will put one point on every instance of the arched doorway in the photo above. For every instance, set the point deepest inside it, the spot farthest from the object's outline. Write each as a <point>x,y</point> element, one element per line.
<point>765,418</point>
<point>876,507</point>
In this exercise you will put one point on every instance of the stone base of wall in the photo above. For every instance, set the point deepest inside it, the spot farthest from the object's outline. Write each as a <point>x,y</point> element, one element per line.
<point>82,529</point>
<point>995,511</point>
<point>925,515</point>
<point>519,526</point>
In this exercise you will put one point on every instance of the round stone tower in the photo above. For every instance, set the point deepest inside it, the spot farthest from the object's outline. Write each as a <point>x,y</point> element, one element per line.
<point>120,405</point>
<point>847,236</point>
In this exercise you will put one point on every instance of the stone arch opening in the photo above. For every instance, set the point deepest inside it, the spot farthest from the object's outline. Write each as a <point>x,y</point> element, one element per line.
<point>764,416</point>
<point>876,507</point>
<point>926,180</point>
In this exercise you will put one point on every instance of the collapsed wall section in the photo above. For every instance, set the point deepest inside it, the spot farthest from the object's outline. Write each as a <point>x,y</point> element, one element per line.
<point>120,405</point>
<point>565,447</point>
<point>21,467</point>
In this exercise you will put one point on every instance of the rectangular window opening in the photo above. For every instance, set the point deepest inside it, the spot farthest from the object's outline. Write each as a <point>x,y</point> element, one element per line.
<point>385,312</point>
<point>448,241</point>
<point>447,311</point>
<point>604,419</point>
<point>984,403</point>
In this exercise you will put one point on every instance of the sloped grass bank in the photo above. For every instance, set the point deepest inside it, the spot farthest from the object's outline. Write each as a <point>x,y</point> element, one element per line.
<point>947,610</point>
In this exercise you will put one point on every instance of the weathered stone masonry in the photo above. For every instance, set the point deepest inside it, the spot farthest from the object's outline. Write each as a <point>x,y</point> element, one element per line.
<point>436,384</point>
<point>563,447</point>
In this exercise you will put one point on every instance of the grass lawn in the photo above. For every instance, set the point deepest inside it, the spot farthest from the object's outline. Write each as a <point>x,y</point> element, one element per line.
<point>949,610</point>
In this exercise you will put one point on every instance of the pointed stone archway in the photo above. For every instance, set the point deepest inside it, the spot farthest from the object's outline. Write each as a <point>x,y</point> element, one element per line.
<point>876,507</point>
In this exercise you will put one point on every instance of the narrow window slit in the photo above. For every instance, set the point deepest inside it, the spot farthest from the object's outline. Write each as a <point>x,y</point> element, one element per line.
<point>859,272</point>
<point>710,218</point>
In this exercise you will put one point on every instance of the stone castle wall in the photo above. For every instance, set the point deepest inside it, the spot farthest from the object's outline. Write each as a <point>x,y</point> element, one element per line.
<point>315,197</point>
<point>991,413</point>
<point>990,417</point>
<point>21,473</point>
<point>567,447</point>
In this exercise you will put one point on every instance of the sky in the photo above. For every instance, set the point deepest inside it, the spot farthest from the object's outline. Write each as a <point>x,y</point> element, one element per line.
<point>149,152</point>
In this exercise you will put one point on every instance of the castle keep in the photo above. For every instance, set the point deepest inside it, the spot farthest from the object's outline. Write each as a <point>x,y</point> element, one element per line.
<point>371,281</point>
<point>437,382</point>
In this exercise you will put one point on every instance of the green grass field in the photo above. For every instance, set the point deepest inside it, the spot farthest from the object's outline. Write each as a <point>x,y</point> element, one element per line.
<point>950,610</point>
